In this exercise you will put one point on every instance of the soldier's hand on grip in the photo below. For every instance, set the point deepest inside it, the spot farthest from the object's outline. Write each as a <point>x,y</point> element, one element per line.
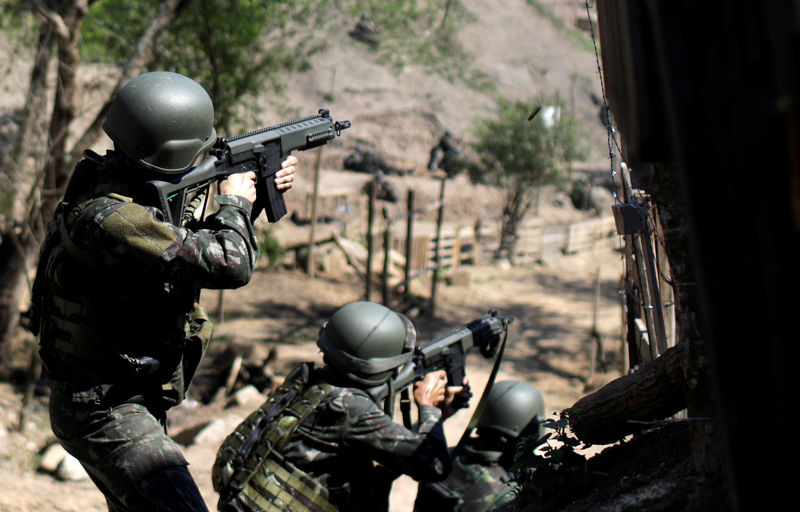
<point>432,389</point>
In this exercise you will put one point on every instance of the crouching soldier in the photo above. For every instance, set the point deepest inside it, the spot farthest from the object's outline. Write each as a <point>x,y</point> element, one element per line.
<point>481,479</point>
<point>321,442</point>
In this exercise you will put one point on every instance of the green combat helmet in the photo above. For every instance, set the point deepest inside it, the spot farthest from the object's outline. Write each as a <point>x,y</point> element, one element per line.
<point>513,408</point>
<point>366,342</point>
<point>163,121</point>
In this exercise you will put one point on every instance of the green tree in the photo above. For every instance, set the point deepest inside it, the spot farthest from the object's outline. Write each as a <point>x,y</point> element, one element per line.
<point>519,154</point>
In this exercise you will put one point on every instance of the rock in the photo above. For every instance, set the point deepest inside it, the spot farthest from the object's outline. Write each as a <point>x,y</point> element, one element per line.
<point>4,443</point>
<point>52,457</point>
<point>337,263</point>
<point>248,396</point>
<point>71,470</point>
<point>216,431</point>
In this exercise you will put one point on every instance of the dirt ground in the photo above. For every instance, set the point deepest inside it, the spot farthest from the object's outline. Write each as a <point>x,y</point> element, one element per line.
<point>548,345</point>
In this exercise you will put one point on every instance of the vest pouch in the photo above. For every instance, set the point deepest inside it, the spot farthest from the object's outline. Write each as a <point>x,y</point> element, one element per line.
<point>199,330</point>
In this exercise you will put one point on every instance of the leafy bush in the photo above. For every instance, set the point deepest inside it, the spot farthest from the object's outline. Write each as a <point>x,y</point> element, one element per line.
<point>549,465</point>
<point>270,248</point>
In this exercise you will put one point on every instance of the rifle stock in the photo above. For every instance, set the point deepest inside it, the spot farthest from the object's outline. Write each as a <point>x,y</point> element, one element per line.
<point>261,151</point>
<point>448,353</point>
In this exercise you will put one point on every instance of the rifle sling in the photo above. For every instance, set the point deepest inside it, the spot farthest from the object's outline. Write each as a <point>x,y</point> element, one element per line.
<point>482,402</point>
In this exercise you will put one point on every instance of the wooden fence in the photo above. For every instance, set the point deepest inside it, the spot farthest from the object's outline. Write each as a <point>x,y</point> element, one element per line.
<point>648,300</point>
<point>473,245</point>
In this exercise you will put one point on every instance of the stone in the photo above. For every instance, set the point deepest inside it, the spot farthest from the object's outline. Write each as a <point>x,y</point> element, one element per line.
<point>70,469</point>
<point>52,457</point>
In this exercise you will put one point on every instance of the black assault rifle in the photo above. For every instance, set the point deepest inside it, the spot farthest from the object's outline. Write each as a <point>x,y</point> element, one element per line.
<point>261,151</point>
<point>447,353</point>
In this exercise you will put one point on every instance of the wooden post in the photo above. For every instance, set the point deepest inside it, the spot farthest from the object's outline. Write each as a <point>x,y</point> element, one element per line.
<point>653,284</point>
<point>221,306</point>
<point>370,222</point>
<point>409,243</point>
<point>437,252</point>
<point>457,249</point>
<point>31,379</point>
<point>310,262</point>
<point>387,256</point>
<point>644,266</point>
<point>624,330</point>
<point>597,342</point>
<point>666,293</point>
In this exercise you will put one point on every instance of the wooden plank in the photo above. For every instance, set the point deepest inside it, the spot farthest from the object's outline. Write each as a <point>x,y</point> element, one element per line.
<point>487,235</point>
<point>476,245</point>
<point>642,340</point>
<point>421,253</point>
<point>457,250</point>
<point>554,237</point>
<point>585,235</point>
<point>530,236</point>
<point>446,247</point>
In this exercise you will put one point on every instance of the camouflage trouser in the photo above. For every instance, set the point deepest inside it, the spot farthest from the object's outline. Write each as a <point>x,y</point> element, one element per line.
<point>126,452</point>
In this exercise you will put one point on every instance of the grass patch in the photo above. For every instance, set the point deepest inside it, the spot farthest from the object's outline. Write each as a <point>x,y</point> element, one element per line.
<point>573,34</point>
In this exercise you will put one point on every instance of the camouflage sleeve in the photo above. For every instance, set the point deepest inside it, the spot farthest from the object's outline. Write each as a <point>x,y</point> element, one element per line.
<point>421,454</point>
<point>220,254</point>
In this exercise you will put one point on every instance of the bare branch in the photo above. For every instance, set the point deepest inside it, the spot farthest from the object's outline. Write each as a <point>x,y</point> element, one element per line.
<point>52,18</point>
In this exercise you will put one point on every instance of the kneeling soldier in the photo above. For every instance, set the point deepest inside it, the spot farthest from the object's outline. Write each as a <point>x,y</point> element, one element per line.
<point>321,442</point>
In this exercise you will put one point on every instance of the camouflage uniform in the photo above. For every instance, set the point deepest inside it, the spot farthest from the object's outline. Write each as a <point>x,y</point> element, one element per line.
<point>478,483</point>
<point>353,450</point>
<point>115,306</point>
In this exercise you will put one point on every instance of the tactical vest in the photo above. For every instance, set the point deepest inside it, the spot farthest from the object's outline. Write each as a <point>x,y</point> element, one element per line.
<point>152,339</point>
<point>249,472</point>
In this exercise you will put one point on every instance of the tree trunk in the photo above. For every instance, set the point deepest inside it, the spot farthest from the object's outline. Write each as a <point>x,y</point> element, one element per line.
<point>67,25</point>
<point>31,119</point>
<point>695,364</point>
<point>513,213</point>
<point>653,392</point>
<point>18,238</point>
<point>65,22</point>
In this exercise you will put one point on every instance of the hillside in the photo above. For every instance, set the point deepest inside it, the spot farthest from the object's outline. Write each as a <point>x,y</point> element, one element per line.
<point>402,114</point>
